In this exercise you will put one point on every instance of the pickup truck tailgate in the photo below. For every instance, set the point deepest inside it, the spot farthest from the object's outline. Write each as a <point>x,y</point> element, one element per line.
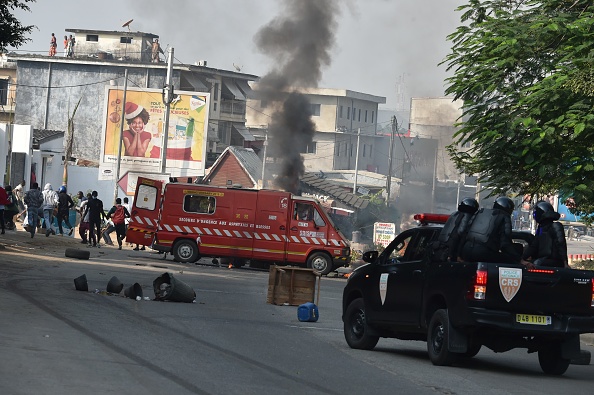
<point>538,291</point>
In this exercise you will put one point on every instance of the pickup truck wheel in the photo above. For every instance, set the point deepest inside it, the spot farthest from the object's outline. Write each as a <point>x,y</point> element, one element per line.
<point>437,339</point>
<point>185,251</point>
<point>356,331</point>
<point>321,262</point>
<point>550,360</point>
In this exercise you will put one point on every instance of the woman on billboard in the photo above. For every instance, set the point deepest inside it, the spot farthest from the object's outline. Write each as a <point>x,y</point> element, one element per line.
<point>136,139</point>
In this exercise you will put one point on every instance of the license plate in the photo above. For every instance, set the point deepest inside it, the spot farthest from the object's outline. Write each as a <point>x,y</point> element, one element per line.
<point>533,319</point>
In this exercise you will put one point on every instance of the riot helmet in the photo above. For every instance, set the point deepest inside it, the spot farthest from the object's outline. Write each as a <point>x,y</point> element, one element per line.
<point>504,203</point>
<point>468,205</point>
<point>62,189</point>
<point>540,208</point>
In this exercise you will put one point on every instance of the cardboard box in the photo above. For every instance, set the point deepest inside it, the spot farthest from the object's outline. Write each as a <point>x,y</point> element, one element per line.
<point>291,285</point>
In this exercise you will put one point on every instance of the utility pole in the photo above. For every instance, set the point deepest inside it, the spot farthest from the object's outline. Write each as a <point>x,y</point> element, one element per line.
<point>389,180</point>
<point>357,161</point>
<point>264,158</point>
<point>168,97</point>
<point>122,120</point>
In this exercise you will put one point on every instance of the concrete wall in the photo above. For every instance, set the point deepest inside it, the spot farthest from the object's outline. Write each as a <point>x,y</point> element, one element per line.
<point>434,118</point>
<point>359,108</point>
<point>3,154</point>
<point>45,108</point>
<point>138,49</point>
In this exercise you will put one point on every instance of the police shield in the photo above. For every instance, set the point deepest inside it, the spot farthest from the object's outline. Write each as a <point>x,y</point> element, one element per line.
<point>510,281</point>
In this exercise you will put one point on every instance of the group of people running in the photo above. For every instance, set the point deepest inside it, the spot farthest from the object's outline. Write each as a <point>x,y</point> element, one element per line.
<point>485,235</point>
<point>42,206</point>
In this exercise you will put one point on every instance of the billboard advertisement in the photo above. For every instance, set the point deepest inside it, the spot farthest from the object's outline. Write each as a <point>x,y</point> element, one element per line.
<point>142,136</point>
<point>383,233</point>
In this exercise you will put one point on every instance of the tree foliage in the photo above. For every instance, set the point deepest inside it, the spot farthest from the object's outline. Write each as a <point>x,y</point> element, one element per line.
<point>12,31</point>
<point>525,73</point>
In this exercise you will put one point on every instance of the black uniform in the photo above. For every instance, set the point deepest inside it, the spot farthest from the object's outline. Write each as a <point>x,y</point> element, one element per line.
<point>489,238</point>
<point>448,242</point>
<point>96,214</point>
<point>549,247</point>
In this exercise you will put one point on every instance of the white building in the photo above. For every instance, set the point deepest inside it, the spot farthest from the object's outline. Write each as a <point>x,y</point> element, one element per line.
<point>338,115</point>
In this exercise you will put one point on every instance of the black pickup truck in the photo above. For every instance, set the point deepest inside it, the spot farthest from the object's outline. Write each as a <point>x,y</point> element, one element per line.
<point>459,307</point>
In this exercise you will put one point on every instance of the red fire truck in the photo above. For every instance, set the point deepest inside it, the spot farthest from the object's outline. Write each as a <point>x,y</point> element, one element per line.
<point>193,221</point>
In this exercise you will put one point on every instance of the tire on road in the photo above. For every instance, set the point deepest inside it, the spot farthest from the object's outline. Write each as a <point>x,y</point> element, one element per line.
<point>356,332</point>
<point>550,360</point>
<point>321,262</point>
<point>185,251</point>
<point>437,339</point>
<point>77,253</point>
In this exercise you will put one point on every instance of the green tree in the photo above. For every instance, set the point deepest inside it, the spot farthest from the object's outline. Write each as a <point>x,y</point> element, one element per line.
<point>525,73</point>
<point>12,31</point>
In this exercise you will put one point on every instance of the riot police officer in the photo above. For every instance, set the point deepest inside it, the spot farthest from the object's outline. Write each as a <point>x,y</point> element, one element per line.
<point>549,247</point>
<point>448,242</point>
<point>489,238</point>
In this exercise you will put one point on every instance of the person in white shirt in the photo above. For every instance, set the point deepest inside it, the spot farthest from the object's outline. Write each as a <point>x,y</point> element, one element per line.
<point>19,193</point>
<point>83,227</point>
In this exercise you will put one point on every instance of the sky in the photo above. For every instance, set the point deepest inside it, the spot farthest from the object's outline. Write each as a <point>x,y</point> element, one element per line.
<point>377,43</point>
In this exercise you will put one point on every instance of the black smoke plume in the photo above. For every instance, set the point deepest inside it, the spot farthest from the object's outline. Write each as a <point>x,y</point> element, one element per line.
<point>299,41</point>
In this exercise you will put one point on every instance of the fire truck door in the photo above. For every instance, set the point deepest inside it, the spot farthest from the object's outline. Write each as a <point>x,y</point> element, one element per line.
<point>307,231</point>
<point>270,227</point>
<point>144,215</point>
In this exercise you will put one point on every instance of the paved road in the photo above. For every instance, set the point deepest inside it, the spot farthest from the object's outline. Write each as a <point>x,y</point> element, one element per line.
<point>55,340</point>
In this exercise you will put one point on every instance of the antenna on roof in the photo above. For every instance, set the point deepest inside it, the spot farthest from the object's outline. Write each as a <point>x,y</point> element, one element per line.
<point>237,67</point>
<point>127,24</point>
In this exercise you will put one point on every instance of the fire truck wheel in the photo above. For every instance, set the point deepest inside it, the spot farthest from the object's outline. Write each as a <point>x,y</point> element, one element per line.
<point>321,262</point>
<point>185,251</point>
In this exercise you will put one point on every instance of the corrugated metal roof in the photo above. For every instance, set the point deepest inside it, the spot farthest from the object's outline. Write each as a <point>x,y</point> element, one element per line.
<point>328,187</point>
<point>250,161</point>
<point>43,135</point>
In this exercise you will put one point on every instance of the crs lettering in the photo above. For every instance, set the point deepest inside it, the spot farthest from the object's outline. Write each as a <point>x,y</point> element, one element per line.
<point>512,282</point>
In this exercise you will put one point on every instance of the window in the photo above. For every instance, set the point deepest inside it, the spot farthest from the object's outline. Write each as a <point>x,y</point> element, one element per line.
<point>340,112</point>
<point>92,37</point>
<point>364,150</point>
<point>216,91</point>
<point>359,120</point>
<point>147,197</point>
<point>3,92</point>
<point>303,212</point>
<point>365,116</point>
<point>395,252</point>
<point>354,113</point>
<point>346,150</point>
<point>337,150</point>
<point>199,204</point>
<point>311,148</point>
<point>406,248</point>
<point>372,116</point>
<point>351,150</point>
<point>318,221</point>
<point>224,133</point>
<point>125,40</point>
<point>214,106</point>
<point>315,109</point>
<point>349,113</point>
